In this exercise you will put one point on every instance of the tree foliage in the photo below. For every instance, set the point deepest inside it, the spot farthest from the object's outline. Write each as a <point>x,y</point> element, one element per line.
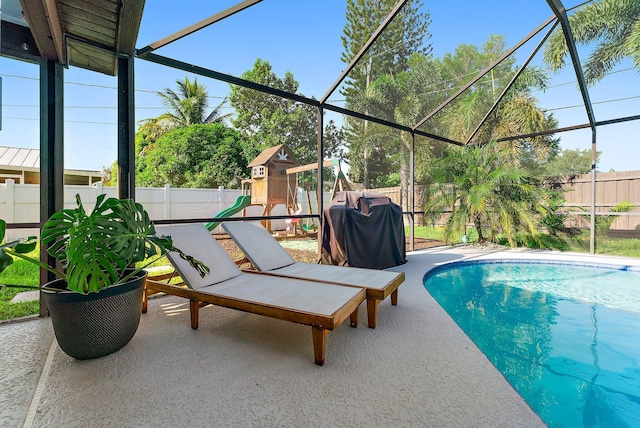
<point>406,35</point>
<point>404,99</point>
<point>517,113</point>
<point>187,106</point>
<point>477,185</point>
<point>571,162</point>
<point>264,120</point>
<point>612,25</point>
<point>200,156</point>
<point>409,96</point>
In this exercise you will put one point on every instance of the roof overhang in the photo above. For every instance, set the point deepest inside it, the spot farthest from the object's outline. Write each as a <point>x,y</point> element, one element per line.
<point>90,34</point>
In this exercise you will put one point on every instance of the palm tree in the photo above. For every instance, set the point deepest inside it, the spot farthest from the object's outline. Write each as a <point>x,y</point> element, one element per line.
<point>403,99</point>
<point>476,184</point>
<point>517,113</point>
<point>405,107</point>
<point>613,24</point>
<point>188,106</point>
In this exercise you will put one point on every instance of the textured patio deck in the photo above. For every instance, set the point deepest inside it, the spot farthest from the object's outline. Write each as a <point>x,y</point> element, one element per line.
<point>417,368</point>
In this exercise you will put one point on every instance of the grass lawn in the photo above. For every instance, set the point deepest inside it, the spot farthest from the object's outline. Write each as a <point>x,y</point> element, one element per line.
<point>20,273</point>
<point>605,245</point>
<point>25,273</point>
<point>426,232</point>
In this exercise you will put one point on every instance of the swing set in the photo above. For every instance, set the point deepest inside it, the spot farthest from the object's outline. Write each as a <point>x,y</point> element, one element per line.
<point>305,227</point>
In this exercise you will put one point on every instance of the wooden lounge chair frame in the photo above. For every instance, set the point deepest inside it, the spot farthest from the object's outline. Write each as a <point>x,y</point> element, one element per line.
<point>249,292</point>
<point>267,256</point>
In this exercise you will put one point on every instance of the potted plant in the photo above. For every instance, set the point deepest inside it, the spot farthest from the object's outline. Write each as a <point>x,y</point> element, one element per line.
<point>96,302</point>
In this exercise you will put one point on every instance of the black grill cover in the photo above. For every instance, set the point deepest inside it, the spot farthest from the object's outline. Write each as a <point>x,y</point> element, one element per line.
<point>363,229</point>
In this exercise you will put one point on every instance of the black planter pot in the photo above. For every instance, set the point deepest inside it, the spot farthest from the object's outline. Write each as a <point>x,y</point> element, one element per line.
<point>96,324</point>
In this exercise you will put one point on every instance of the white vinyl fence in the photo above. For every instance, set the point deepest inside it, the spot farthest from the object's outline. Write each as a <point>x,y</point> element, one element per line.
<point>20,203</point>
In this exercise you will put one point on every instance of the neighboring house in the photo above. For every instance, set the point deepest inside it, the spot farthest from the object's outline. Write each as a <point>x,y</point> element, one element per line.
<point>23,166</point>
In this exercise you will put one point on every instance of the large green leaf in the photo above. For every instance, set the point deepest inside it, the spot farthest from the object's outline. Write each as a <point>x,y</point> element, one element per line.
<point>135,245</point>
<point>5,260</point>
<point>56,231</point>
<point>98,248</point>
<point>19,246</point>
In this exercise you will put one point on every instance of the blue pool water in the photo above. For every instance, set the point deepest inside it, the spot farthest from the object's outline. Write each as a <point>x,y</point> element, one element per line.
<point>567,337</point>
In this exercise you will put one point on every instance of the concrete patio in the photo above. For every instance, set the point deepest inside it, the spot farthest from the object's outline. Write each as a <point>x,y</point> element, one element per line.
<point>417,368</point>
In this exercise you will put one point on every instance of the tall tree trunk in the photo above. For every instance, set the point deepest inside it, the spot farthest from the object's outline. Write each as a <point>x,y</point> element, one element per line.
<point>365,168</point>
<point>365,152</point>
<point>478,225</point>
<point>404,170</point>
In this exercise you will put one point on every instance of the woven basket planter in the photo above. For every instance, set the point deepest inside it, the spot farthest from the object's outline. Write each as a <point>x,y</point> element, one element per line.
<point>96,324</point>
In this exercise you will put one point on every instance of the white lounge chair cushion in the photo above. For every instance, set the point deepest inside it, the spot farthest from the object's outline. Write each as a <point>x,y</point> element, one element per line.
<point>265,253</point>
<point>358,277</point>
<point>286,293</point>
<point>202,246</point>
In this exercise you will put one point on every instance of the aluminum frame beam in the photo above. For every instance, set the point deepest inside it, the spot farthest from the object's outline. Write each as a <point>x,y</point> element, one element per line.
<point>51,156</point>
<point>560,11</point>
<point>397,8</point>
<point>511,83</point>
<point>205,72</point>
<point>484,72</point>
<point>126,129</point>
<point>569,128</point>
<point>199,25</point>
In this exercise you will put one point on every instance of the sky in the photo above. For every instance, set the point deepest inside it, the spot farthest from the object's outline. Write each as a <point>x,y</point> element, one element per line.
<point>302,37</point>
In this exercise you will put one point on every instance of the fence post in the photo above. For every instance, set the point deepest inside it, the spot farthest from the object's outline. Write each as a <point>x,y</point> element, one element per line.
<point>99,189</point>
<point>167,202</point>
<point>11,200</point>
<point>220,198</point>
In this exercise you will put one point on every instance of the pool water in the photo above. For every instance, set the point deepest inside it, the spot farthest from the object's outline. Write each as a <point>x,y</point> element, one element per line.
<point>567,337</point>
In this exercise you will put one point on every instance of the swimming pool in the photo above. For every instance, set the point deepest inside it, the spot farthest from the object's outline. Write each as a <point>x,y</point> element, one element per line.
<point>566,336</point>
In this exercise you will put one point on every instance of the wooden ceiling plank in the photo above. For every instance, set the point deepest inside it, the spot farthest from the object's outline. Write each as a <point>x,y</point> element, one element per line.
<point>91,35</point>
<point>85,33</point>
<point>37,18</point>
<point>72,14</point>
<point>99,7</point>
<point>89,9</point>
<point>91,57</point>
<point>55,26</point>
<point>129,25</point>
<point>87,27</point>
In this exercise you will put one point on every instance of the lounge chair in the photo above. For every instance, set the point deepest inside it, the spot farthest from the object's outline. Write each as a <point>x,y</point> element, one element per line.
<point>267,255</point>
<point>322,306</point>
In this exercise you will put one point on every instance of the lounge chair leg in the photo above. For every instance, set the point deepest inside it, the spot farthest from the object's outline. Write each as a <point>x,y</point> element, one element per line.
<point>145,299</point>
<point>194,308</point>
<point>319,344</point>
<point>394,297</point>
<point>353,319</point>
<point>372,311</point>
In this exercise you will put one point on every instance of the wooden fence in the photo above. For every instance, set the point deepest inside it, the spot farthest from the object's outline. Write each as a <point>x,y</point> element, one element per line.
<point>19,203</point>
<point>611,189</point>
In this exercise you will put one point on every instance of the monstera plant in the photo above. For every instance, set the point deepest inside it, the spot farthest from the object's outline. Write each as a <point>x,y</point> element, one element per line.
<point>102,255</point>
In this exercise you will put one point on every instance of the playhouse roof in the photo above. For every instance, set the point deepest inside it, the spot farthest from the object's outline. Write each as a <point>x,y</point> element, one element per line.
<point>268,154</point>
